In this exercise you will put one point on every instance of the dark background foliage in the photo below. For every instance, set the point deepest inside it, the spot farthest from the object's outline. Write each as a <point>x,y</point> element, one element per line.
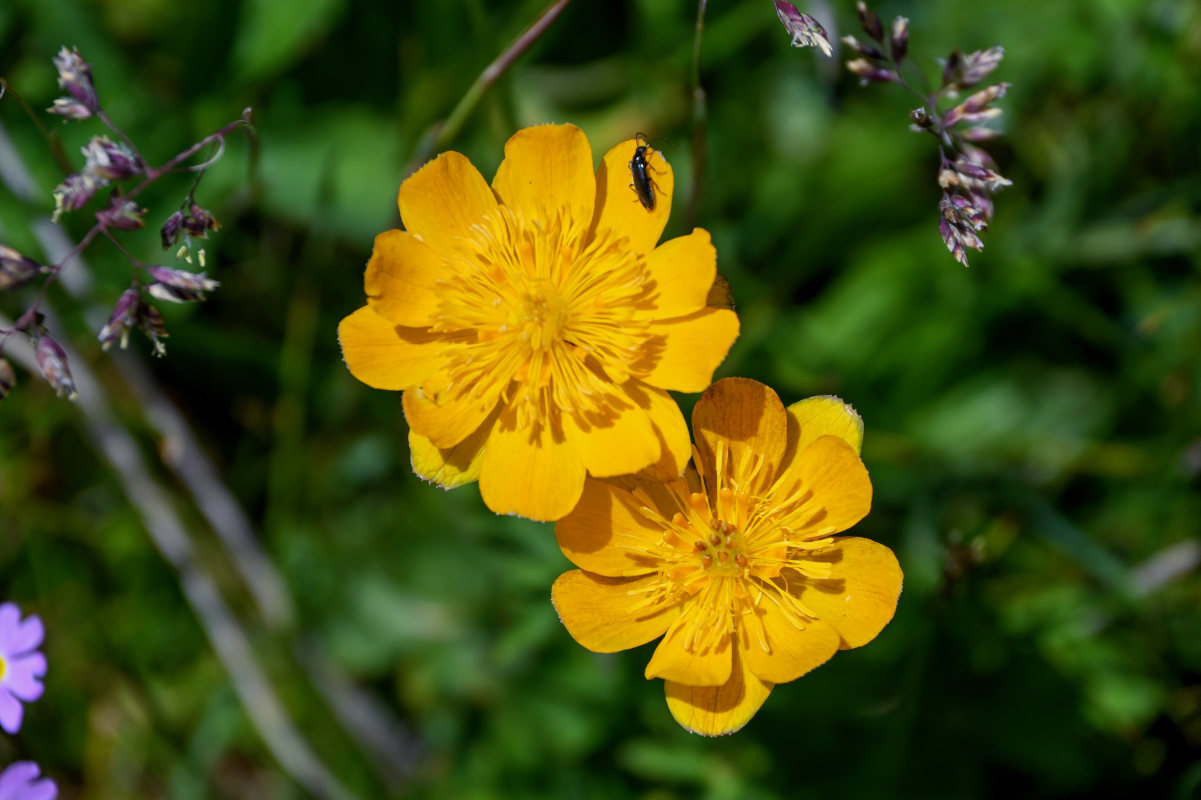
<point>1033,422</point>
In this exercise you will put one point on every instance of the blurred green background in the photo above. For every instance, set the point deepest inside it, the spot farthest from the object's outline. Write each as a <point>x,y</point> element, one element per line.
<point>1033,422</point>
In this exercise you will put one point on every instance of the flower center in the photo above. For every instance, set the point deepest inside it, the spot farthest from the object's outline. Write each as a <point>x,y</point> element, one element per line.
<point>542,313</point>
<point>3,668</point>
<point>723,552</point>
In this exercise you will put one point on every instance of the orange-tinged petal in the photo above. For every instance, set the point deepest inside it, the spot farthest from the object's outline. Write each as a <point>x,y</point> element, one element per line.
<point>606,533</point>
<point>609,614</point>
<point>781,652</point>
<point>683,269</point>
<point>825,415</point>
<point>384,355</point>
<point>618,207</point>
<point>841,489</point>
<point>718,710</point>
<point>862,595</point>
<point>533,472</point>
<point>684,657</point>
<point>619,442</point>
<point>452,466</point>
<point>442,200</point>
<point>685,351</point>
<point>547,167</point>
<point>750,420</point>
<point>400,279</point>
<point>449,423</point>
<point>675,443</point>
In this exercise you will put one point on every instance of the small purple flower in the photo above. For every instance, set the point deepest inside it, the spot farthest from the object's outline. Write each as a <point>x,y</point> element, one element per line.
<point>20,781</point>
<point>108,160</point>
<point>22,666</point>
<point>75,75</point>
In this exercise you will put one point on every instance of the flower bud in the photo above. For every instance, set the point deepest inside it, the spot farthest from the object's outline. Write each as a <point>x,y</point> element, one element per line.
<point>52,361</point>
<point>170,229</point>
<point>200,222</point>
<point>868,72</point>
<point>921,119</point>
<point>899,39</point>
<point>179,286</point>
<point>16,270</point>
<point>75,75</point>
<point>7,379</point>
<point>861,48</point>
<point>109,160</point>
<point>121,320</point>
<point>74,192</point>
<point>125,215</point>
<point>151,323</point>
<point>870,21</point>
<point>804,29</point>
<point>962,72</point>
<point>69,108</point>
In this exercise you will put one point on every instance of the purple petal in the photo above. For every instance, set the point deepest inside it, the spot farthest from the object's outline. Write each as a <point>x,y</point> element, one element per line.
<point>10,617</point>
<point>23,677</point>
<point>28,636</point>
<point>11,712</point>
<point>19,782</point>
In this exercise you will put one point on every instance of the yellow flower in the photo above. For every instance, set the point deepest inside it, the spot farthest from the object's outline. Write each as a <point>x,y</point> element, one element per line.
<point>533,324</point>
<point>736,565</point>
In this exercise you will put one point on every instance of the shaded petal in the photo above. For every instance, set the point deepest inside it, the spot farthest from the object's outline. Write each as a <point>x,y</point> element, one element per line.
<point>11,712</point>
<point>698,666</point>
<point>609,614</point>
<point>825,415</point>
<point>387,356</point>
<point>618,443</point>
<point>841,490</point>
<point>547,167</point>
<point>618,207</point>
<point>683,270</point>
<point>533,472</point>
<point>718,710</point>
<point>452,466</point>
<point>451,422</point>
<point>675,442</point>
<point>19,781</point>
<point>401,279</point>
<point>23,677</point>
<point>442,200</point>
<point>606,533</point>
<point>749,417</point>
<point>790,651</point>
<point>683,353</point>
<point>863,596</point>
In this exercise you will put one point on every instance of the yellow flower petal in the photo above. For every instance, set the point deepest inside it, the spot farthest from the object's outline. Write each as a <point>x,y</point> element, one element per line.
<point>682,657</point>
<point>718,710</point>
<point>618,206</point>
<point>684,269</point>
<point>862,597</point>
<point>688,349</point>
<point>384,355</point>
<point>746,421</point>
<point>675,444</point>
<point>619,442</point>
<point>790,651</point>
<point>442,200</point>
<point>452,466</point>
<point>450,423</point>
<point>603,533</point>
<point>841,490</point>
<point>825,415</point>
<point>547,167</point>
<point>609,614</point>
<point>533,472</point>
<point>400,279</point>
